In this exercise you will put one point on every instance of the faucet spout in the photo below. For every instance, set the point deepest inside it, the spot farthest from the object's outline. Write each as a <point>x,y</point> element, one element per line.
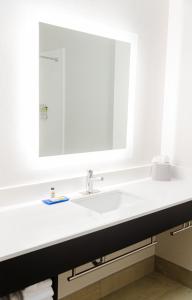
<point>90,181</point>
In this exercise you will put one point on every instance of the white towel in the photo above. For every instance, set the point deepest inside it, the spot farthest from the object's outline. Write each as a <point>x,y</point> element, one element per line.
<point>39,286</point>
<point>15,296</point>
<point>40,294</point>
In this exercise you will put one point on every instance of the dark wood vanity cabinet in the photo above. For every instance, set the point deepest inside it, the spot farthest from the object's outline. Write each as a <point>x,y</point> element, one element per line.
<point>22,271</point>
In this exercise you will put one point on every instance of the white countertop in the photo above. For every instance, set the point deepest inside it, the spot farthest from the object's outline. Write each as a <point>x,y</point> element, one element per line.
<point>33,225</point>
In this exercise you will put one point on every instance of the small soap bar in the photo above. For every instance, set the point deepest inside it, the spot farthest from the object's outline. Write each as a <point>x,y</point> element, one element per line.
<point>60,198</point>
<point>55,201</point>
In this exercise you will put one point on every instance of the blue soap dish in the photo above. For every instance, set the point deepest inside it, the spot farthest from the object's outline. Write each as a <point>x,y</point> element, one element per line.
<point>55,201</point>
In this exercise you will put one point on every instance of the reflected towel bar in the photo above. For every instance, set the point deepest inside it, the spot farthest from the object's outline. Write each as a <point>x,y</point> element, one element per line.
<point>56,59</point>
<point>185,227</point>
<point>102,262</point>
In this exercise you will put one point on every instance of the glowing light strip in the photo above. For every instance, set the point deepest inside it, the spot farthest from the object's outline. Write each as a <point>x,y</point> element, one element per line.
<point>131,96</point>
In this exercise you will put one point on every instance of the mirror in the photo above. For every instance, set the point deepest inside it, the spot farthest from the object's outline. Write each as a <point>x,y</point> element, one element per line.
<point>83,91</point>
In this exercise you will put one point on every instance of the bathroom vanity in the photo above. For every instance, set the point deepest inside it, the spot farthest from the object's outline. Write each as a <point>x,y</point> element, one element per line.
<point>77,95</point>
<point>77,234</point>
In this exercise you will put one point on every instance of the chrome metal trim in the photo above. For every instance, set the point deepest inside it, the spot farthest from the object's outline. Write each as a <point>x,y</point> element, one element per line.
<point>56,59</point>
<point>184,227</point>
<point>103,263</point>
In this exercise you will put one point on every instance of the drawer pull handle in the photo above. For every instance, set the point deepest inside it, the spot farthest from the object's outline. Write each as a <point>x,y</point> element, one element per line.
<point>184,227</point>
<point>102,263</point>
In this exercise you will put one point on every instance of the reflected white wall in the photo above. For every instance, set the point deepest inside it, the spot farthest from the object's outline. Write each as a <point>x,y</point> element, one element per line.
<point>51,95</point>
<point>88,91</point>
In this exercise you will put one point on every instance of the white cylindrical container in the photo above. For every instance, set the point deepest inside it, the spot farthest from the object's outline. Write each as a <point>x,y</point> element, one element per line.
<point>161,171</point>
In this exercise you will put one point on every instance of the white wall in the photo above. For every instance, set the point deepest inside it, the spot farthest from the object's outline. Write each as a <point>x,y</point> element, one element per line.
<point>18,81</point>
<point>178,140</point>
<point>178,124</point>
<point>183,142</point>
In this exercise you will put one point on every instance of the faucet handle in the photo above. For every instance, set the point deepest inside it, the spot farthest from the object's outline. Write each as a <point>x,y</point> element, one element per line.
<point>90,173</point>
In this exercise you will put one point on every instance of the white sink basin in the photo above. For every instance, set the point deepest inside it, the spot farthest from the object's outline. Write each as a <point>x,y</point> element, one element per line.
<point>108,201</point>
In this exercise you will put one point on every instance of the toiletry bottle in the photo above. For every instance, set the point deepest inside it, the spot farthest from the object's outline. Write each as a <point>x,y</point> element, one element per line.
<point>161,168</point>
<point>52,193</point>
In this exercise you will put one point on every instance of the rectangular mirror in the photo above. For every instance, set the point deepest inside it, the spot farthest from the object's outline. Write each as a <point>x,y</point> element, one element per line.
<point>83,91</point>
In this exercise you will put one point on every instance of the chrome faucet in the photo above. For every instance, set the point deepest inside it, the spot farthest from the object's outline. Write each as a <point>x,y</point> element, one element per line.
<point>90,180</point>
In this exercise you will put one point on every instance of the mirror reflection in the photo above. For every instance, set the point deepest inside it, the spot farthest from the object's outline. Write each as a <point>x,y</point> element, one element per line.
<point>83,92</point>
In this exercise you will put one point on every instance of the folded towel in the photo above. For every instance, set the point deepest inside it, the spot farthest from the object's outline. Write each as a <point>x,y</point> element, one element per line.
<point>39,286</point>
<point>40,294</point>
<point>15,296</point>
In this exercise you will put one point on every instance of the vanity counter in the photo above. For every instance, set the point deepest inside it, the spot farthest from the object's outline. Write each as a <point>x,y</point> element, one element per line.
<point>32,226</point>
<point>40,241</point>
